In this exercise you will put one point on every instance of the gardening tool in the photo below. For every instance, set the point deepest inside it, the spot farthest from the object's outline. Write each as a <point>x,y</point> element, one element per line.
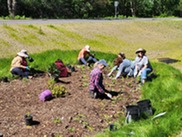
<point>159,115</point>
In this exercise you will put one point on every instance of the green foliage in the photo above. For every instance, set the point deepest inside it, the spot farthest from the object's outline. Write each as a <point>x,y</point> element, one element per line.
<point>89,9</point>
<point>52,69</point>
<point>57,120</point>
<point>57,90</point>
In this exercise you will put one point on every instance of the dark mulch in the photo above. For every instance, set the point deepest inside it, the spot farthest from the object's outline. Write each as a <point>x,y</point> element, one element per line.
<point>75,115</point>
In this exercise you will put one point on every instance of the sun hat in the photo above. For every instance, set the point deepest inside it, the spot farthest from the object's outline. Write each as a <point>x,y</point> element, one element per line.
<point>21,54</point>
<point>87,47</point>
<point>103,62</point>
<point>140,50</point>
<point>24,51</point>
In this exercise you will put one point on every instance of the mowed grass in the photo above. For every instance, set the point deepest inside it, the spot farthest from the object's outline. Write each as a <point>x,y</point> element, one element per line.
<point>160,38</point>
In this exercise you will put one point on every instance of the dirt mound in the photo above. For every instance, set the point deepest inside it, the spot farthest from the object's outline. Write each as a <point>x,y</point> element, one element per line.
<point>74,115</point>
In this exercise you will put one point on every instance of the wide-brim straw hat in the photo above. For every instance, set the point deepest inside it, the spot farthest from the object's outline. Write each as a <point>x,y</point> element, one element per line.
<point>21,54</point>
<point>140,50</point>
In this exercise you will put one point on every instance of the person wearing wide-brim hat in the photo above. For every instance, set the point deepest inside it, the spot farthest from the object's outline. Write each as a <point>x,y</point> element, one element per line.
<point>96,86</point>
<point>122,64</point>
<point>142,65</point>
<point>85,57</point>
<point>19,65</point>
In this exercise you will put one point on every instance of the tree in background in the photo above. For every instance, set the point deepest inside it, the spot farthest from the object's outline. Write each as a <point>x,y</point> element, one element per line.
<point>89,8</point>
<point>3,8</point>
<point>11,7</point>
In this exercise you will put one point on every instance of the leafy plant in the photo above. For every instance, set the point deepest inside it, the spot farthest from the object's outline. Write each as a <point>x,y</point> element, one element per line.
<point>59,90</point>
<point>57,120</point>
<point>53,71</point>
<point>28,114</point>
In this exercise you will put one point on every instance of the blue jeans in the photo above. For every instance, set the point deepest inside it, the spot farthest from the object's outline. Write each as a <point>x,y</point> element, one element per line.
<point>19,71</point>
<point>145,72</point>
<point>90,59</point>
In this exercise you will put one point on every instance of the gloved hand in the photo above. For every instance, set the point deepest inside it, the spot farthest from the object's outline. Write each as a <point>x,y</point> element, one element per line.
<point>27,68</point>
<point>135,74</point>
<point>140,72</point>
<point>109,95</point>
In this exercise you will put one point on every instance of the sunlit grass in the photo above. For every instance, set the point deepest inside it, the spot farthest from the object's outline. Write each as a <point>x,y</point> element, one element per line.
<point>165,94</point>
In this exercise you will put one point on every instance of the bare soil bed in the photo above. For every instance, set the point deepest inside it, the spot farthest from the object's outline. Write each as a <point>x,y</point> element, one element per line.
<point>76,115</point>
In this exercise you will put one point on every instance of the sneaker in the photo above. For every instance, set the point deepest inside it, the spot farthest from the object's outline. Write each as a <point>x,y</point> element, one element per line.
<point>143,81</point>
<point>95,95</point>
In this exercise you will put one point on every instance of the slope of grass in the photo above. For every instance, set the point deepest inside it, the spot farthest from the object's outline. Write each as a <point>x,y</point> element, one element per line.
<point>165,94</point>
<point>161,38</point>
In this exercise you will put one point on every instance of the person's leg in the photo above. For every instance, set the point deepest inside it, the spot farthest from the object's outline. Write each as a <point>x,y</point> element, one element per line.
<point>25,74</point>
<point>91,59</point>
<point>19,71</point>
<point>144,74</point>
<point>82,61</point>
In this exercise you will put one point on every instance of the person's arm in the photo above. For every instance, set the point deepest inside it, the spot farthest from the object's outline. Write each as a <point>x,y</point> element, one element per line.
<point>112,70</point>
<point>98,84</point>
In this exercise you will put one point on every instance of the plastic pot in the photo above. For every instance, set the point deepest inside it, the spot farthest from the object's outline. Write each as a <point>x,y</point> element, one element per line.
<point>28,120</point>
<point>45,95</point>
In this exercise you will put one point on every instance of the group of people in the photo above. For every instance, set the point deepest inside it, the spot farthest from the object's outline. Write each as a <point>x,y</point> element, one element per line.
<point>139,67</point>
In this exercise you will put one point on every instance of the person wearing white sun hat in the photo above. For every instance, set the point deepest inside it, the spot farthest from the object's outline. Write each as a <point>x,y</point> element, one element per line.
<point>142,65</point>
<point>84,54</point>
<point>19,65</point>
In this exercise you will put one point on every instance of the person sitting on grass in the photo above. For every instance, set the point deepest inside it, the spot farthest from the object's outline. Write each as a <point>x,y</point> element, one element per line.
<point>96,86</point>
<point>84,54</point>
<point>142,65</point>
<point>19,65</point>
<point>122,64</point>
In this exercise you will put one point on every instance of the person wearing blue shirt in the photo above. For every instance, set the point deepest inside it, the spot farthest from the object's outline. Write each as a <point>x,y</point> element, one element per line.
<point>122,64</point>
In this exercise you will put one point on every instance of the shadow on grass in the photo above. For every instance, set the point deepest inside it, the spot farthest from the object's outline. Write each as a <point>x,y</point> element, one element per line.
<point>168,60</point>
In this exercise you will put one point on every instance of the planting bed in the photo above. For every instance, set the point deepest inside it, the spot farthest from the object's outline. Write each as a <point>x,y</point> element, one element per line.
<point>76,115</point>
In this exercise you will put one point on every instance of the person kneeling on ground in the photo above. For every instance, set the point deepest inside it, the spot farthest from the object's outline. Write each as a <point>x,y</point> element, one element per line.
<point>84,54</point>
<point>96,80</point>
<point>19,65</point>
<point>122,64</point>
<point>142,65</point>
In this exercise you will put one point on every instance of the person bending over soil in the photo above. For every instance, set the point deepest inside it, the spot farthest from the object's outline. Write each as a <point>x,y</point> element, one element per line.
<point>96,86</point>
<point>122,64</point>
<point>19,65</point>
